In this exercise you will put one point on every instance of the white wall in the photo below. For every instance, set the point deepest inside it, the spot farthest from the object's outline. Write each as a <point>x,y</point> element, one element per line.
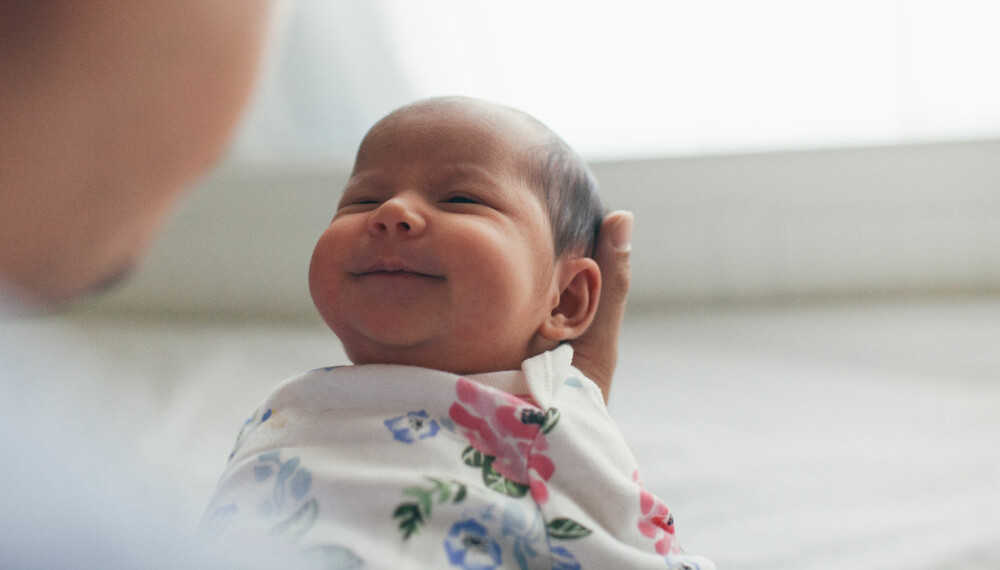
<point>915,219</point>
<point>709,230</point>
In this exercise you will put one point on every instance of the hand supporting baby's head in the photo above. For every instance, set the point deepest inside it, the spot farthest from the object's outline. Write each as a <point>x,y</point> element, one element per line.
<point>460,241</point>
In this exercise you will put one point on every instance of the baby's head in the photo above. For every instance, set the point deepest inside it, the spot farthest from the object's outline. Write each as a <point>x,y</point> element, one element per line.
<point>460,242</point>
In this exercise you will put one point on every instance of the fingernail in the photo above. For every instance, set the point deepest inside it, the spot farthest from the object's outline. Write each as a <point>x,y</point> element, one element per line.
<point>621,233</point>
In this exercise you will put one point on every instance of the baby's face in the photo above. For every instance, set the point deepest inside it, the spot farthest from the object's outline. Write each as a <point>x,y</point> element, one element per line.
<point>440,254</point>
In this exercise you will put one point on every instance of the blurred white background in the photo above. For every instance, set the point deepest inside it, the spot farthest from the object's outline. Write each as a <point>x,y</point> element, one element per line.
<point>638,78</point>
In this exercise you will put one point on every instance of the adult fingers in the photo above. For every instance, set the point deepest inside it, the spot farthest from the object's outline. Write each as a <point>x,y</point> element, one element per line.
<point>596,351</point>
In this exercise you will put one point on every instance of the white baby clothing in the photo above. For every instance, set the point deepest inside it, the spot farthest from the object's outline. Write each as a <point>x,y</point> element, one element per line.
<point>384,466</point>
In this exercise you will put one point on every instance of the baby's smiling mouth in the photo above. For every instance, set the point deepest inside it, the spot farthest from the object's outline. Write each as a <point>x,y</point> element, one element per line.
<point>394,270</point>
<point>400,273</point>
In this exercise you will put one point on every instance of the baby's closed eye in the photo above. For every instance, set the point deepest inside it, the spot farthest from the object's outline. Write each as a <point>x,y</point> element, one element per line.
<point>462,199</point>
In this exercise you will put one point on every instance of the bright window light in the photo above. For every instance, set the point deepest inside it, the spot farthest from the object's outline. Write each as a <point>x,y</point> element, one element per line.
<point>640,78</point>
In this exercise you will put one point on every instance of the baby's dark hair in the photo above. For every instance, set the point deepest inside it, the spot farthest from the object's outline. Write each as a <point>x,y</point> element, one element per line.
<point>569,192</point>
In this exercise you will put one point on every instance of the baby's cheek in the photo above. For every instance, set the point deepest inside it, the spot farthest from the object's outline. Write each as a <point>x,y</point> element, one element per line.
<point>324,274</point>
<point>331,250</point>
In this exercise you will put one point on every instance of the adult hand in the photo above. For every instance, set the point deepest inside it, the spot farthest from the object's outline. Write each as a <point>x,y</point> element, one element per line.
<point>596,352</point>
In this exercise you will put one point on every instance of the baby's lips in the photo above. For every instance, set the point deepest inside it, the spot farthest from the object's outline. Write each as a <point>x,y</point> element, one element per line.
<point>390,267</point>
<point>396,265</point>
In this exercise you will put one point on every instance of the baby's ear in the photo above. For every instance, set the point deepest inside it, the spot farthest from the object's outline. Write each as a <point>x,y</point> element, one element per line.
<point>579,282</point>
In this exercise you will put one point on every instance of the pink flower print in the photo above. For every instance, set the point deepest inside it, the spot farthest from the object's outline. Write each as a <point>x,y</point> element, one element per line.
<point>507,429</point>
<point>540,470</point>
<point>656,522</point>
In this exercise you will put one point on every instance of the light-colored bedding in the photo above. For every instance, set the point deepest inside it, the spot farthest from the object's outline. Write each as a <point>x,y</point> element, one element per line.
<point>839,436</point>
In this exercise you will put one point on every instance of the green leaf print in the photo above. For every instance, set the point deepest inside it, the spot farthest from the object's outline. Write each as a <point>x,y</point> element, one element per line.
<point>473,457</point>
<point>550,421</point>
<point>412,515</point>
<point>422,496</point>
<point>409,517</point>
<point>444,488</point>
<point>491,477</point>
<point>567,529</point>
<point>494,480</point>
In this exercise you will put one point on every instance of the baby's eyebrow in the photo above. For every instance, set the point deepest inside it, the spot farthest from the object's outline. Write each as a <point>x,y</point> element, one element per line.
<point>359,177</point>
<point>464,172</point>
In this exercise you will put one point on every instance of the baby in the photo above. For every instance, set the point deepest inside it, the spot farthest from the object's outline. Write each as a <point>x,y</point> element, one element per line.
<point>454,271</point>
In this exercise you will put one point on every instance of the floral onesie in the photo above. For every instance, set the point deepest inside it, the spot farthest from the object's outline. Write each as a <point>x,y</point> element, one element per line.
<point>383,466</point>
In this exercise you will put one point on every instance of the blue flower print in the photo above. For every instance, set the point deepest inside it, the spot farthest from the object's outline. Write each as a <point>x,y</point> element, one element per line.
<point>469,546</point>
<point>563,559</point>
<point>412,426</point>
<point>291,479</point>
<point>252,422</point>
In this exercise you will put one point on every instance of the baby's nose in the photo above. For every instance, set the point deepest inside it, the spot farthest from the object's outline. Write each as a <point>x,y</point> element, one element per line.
<point>397,217</point>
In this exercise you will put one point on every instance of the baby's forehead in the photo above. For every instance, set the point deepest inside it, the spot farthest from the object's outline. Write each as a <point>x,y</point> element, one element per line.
<point>472,122</point>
